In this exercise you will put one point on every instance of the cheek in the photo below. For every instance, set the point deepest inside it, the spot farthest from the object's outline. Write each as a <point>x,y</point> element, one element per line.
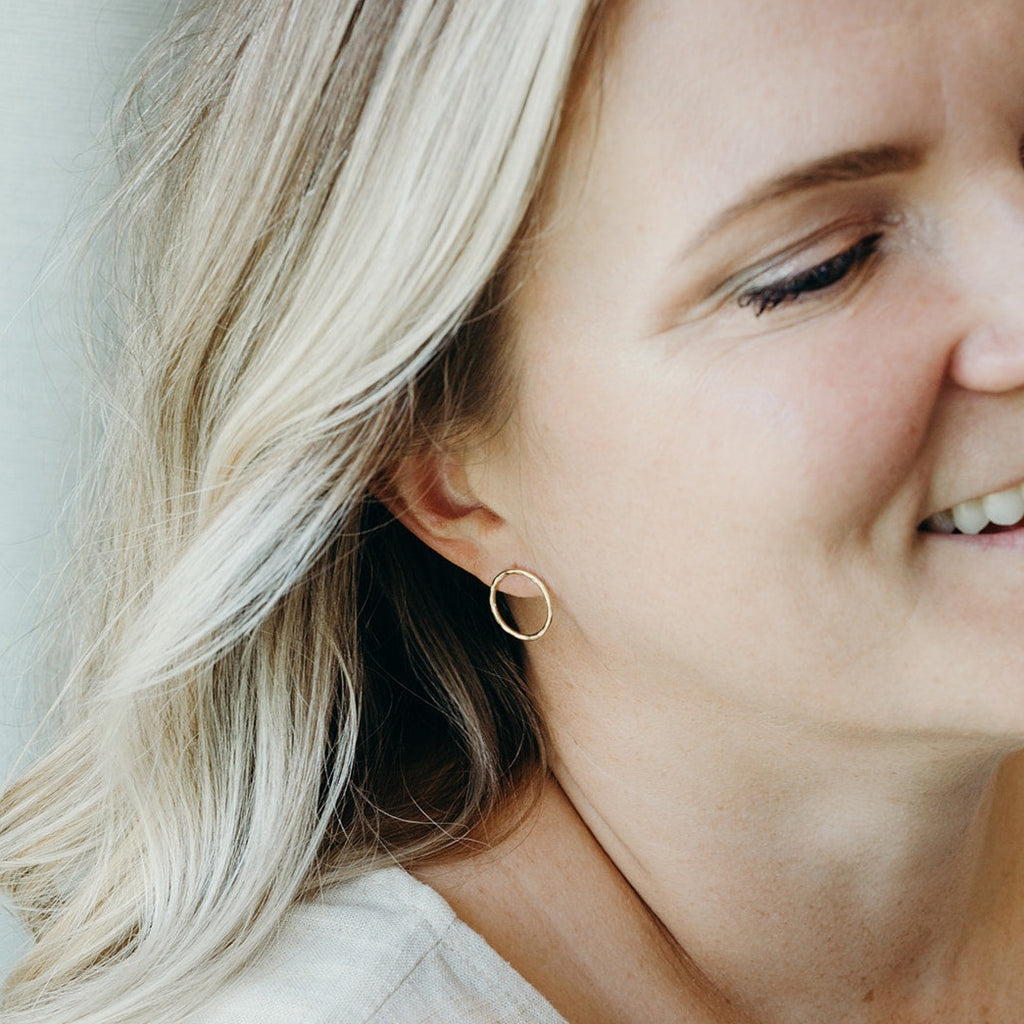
<point>718,483</point>
<point>823,431</point>
<point>868,397</point>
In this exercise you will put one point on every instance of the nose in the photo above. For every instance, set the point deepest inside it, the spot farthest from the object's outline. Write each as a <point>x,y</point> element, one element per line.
<point>990,357</point>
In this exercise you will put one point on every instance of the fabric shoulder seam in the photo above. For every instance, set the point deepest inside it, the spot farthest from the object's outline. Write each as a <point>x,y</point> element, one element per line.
<point>439,938</point>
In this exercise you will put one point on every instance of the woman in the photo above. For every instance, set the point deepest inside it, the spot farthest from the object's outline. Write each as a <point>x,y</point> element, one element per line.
<point>691,329</point>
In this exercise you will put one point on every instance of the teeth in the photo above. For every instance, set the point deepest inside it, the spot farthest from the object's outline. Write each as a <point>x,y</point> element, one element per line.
<point>942,522</point>
<point>970,517</point>
<point>1004,508</point>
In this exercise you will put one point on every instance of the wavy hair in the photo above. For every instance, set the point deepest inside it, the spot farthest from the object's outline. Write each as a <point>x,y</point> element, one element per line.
<point>270,683</point>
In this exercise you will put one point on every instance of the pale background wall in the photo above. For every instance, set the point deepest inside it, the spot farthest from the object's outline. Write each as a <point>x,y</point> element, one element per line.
<point>61,63</point>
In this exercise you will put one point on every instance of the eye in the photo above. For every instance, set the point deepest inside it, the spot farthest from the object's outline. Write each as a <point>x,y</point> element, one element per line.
<point>814,279</point>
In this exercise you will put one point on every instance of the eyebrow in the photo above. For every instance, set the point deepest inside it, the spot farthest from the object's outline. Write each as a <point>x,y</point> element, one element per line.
<point>852,165</point>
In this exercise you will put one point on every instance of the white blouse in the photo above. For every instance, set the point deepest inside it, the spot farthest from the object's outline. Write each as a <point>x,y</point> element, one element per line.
<point>385,949</point>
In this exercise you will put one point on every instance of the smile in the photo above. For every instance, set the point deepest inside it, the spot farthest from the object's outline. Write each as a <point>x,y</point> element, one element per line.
<point>978,515</point>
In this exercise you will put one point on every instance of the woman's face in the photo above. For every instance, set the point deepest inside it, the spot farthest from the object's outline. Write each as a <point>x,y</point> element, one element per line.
<point>774,322</point>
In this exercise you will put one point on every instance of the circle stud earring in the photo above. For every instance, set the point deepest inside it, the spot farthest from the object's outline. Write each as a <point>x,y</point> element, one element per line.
<point>499,618</point>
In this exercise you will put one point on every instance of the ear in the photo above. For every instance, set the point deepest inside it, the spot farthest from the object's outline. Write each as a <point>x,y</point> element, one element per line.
<point>431,495</point>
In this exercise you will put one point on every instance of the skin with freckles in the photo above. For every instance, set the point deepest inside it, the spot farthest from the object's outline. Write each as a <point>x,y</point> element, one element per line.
<point>773,323</point>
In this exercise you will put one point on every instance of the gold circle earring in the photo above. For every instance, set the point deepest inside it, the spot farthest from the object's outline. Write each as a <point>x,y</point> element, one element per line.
<point>545,593</point>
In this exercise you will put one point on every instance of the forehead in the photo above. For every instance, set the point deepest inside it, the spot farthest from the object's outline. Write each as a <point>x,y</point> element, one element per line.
<point>712,59</point>
<point>728,84</point>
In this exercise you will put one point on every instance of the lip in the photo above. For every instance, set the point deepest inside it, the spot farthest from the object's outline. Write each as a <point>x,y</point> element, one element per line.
<point>1012,539</point>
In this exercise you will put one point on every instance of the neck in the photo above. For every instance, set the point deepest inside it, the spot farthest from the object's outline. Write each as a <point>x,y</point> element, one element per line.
<point>800,872</point>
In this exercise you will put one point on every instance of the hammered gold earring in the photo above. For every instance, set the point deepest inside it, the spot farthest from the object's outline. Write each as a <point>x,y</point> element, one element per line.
<point>499,618</point>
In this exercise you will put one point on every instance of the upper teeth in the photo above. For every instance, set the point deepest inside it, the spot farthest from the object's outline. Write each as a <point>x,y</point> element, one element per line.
<point>1004,508</point>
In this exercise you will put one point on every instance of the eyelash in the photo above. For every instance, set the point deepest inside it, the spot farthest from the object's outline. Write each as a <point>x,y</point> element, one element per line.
<point>815,279</point>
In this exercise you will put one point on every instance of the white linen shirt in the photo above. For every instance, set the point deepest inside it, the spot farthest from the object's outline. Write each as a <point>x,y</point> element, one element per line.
<point>384,949</point>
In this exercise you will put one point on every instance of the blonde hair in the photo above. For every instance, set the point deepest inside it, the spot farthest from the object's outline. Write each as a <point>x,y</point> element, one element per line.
<point>272,685</point>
